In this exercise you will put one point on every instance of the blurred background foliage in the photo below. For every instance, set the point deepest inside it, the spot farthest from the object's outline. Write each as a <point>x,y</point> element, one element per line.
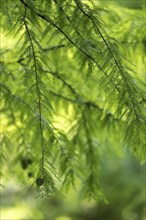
<point>133,4</point>
<point>122,177</point>
<point>124,184</point>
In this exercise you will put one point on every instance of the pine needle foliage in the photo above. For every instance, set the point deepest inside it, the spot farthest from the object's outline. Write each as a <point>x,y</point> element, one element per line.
<point>69,91</point>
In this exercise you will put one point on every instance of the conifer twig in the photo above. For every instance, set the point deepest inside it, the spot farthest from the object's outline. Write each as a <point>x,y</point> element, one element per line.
<point>38,91</point>
<point>86,53</point>
<point>112,54</point>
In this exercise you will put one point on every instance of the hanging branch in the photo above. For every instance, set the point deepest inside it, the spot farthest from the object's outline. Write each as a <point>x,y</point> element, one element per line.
<point>91,186</point>
<point>112,54</point>
<point>86,53</point>
<point>38,90</point>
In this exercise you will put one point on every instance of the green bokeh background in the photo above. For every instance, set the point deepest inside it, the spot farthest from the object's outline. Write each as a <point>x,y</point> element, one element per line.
<point>123,180</point>
<point>135,4</point>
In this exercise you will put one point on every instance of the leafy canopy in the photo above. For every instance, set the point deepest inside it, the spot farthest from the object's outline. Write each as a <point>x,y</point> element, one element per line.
<point>71,89</point>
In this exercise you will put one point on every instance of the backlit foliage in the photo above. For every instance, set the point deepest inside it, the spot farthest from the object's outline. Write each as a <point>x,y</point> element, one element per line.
<point>72,85</point>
